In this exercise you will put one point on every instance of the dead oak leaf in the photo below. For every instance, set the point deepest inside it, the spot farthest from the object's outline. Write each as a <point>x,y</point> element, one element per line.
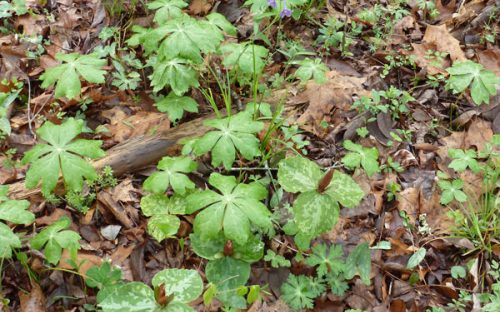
<point>444,42</point>
<point>335,94</point>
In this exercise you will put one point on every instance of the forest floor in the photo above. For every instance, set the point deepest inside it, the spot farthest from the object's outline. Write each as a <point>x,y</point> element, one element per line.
<point>396,101</point>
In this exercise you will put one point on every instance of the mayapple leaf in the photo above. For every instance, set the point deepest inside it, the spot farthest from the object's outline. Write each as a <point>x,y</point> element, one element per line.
<point>175,106</point>
<point>66,76</point>
<point>234,133</point>
<point>482,82</point>
<point>171,172</point>
<point>232,211</point>
<point>62,154</point>
<point>185,285</point>
<point>166,9</point>
<point>177,73</point>
<point>248,58</point>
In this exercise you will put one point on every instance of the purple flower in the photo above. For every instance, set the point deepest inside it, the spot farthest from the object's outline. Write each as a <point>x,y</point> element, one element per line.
<point>272,3</point>
<point>286,12</point>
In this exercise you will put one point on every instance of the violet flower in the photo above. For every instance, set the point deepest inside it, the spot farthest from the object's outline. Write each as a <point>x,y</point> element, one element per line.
<point>286,12</point>
<point>272,3</point>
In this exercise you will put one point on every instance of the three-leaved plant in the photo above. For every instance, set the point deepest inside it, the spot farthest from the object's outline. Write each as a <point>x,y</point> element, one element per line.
<point>61,154</point>
<point>358,155</point>
<point>54,238</point>
<point>235,132</point>
<point>16,212</point>
<point>469,74</point>
<point>232,210</point>
<point>316,209</point>
<point>66,76</point>
<point>173,290</point>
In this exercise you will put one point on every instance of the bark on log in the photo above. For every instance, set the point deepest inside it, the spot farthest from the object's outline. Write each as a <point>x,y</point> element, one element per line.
<point>133,154</point>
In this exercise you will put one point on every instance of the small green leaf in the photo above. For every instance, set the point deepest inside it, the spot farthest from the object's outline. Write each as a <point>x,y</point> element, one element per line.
<point>53,239</point>
<point>482,82</point>
<point>185,285</point>
<point>416,258</point>
<point>228,274</point>
<point>66,77</point>
<point>172,172</point>
<point>277,260</point>
<point>359,155</point>
<point>463,160</point>
<point>105,277</point>
<point>8,242</point>
<point>458,271</point>
<point>359,263</point>
<point>175,106</point>
<point>311,69</point>
<point>452,190</point>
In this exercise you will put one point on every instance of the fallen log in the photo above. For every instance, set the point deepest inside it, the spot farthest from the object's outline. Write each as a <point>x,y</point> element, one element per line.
<point>133,154</point>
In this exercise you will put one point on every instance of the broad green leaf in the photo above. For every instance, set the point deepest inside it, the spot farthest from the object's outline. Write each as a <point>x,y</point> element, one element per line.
<point>177,73</point>
<point>359,263</point>
<point>359,155</point>
<point>233,133</point>
<point>53,239</point>
<point>345,190</point>
<point>248,58</point>
<point>187,38</point>
<point>232,211</point>
<point>298,174</point>
<point>66,77</point>
<point>61,154</point>
<point>311,69</point>
<point>315,213</point>
<point>175,106</point>
<point>8,241</point>
<point>185,285</point>
<point>15,211</point>
<point>166,9</point>
<point>482,82</point>
<point>228,274</point>
<point>416,258</point>
<point>277,260</point>
<point>172,172</point>
<point>131,297</point>
<point>251,251</point>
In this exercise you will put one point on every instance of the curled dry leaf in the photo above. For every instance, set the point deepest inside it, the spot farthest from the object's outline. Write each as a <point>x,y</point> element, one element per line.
<point>444,42</point>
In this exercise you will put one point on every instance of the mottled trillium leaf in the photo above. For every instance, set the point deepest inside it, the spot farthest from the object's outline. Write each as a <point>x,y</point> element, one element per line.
<point>185,285</point>
<point>163,223</point>
<point>132,297</point>
<point>62,154</point>
<point>171,172</point>
<point>66,77</point>
<point>298,174</point>
<point>315,213</point>
<point>251,251</point>
<point>345,190</point>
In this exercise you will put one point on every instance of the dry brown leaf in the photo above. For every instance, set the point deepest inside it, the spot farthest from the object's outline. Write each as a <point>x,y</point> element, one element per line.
<point>200,7</point>
<point>124,191</point>
<point>123,127</point>
<point>420,50</point>
<point>490,59</point>
<point>408,201</point>
<point>336,94</point>
<point>444,42</point>
<point>84,260</point>
<point>34,301</point>
<point>478,134</point>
